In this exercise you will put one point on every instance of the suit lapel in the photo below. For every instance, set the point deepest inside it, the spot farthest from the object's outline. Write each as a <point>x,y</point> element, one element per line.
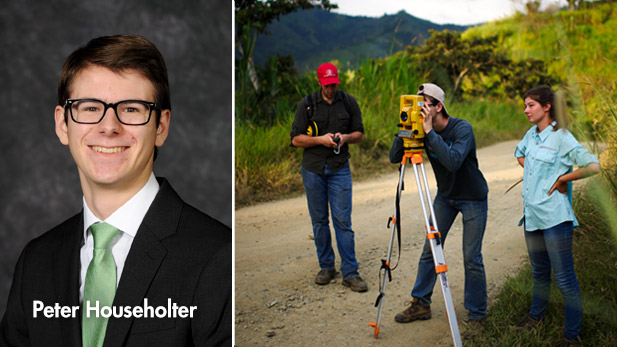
<point>66,270</point>
<point>144,259</point>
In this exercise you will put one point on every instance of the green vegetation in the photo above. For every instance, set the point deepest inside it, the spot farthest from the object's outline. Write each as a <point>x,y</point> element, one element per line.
<point>586,59</point>
<point>578,50</point>
<point>595,260</point>
<point>267,167</point>
<point>572,50</point>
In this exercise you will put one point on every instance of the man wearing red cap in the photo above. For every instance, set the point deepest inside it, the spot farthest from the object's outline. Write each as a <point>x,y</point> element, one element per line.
<point>325,123</point>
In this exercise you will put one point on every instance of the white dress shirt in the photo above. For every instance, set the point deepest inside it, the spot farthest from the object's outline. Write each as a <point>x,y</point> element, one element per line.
<point>127,219</point>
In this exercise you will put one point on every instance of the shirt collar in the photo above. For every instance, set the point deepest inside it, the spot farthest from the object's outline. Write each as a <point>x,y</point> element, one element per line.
<point>544,134</point>
<point>129,216</point>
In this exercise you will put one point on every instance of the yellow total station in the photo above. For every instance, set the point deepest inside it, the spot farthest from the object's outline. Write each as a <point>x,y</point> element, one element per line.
<point>411,131</point>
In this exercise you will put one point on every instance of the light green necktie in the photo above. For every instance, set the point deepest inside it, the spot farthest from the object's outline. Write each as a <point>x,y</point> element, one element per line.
<point>100,284</point>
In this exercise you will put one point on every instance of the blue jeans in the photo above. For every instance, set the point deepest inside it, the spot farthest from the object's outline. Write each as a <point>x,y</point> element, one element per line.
<point>552,248</point>
<point>333,187</point>
<point>474,223</point>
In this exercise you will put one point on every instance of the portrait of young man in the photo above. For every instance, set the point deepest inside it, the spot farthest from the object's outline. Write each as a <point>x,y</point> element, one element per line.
<point>137,266</point>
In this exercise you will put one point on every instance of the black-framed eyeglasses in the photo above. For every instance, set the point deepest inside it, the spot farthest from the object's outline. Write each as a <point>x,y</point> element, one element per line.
<point>128,112</point>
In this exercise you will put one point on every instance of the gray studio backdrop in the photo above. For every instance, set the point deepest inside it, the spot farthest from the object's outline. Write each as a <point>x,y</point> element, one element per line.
<point>39,185</point>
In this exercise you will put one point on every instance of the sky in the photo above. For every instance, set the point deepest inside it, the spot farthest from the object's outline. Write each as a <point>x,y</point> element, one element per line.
<point>462,12</point>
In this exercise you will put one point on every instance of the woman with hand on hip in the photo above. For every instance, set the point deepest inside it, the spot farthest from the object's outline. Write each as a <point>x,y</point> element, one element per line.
<point>547,153</point>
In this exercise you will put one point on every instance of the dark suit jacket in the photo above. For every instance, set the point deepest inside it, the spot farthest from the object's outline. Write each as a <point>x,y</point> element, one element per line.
<point>178,253</point>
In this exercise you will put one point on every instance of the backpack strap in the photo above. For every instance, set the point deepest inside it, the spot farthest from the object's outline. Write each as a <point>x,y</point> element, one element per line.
<point>345,98</point>
<point>310,106</point>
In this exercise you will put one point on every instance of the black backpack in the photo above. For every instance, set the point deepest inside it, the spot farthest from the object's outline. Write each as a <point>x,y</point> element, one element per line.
<point>310,105</point>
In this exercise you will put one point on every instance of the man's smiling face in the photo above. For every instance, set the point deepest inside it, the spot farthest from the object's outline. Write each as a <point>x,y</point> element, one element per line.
<point>110,154</point>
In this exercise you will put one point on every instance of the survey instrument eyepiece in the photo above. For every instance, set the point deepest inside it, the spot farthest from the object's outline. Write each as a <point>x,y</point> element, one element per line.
<point>410,118</point>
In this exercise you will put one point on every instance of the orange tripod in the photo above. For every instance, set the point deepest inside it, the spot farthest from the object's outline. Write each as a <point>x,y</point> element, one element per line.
<point>415,157</point>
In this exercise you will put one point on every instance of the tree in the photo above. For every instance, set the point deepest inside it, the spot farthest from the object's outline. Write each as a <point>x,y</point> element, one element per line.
<point>524,75</point>
<point>259,13</point>
<point>252,18</point>
<point>533,6</point>
<point>450,59</point>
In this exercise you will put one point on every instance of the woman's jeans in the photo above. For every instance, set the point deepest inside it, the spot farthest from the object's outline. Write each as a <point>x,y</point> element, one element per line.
<point>552,248</point>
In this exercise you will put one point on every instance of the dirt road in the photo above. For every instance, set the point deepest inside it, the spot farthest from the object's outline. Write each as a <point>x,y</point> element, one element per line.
<point>277,303</point>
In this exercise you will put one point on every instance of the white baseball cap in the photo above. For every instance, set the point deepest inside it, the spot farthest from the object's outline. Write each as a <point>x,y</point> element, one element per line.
<point>434,91</point>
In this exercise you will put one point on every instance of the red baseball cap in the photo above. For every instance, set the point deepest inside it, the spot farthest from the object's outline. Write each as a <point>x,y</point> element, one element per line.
<point>327,74</point>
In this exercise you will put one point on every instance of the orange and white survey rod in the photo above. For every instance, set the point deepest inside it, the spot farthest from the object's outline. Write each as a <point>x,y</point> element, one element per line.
<point>434,237</point>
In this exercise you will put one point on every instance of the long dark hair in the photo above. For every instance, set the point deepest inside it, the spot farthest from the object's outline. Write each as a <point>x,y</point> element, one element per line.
<point>544,95</point>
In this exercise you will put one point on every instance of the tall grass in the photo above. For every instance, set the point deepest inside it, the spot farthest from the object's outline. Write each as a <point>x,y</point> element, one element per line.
<point>268,168</point>
<point>595,261</point>
<point>576,46</point>
<point>592,93</point>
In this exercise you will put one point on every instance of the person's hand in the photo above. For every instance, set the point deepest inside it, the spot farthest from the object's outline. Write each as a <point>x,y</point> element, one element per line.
<point>341,138</point>
<point>561,185</point>
<point>328,140</point>
<point>427,118</point>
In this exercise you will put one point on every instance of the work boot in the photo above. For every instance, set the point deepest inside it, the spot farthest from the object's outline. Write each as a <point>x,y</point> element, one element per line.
<point>527,324</point>
<point>324,276</point>
<point>415,311</point>
<point>356,284</point>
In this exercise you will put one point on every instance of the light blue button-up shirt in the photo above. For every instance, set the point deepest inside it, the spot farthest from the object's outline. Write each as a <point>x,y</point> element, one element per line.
<point>548,155</point>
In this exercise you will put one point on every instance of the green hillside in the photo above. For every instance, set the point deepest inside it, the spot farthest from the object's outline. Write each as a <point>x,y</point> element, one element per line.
<point>314,36</point>
<point>578,48</point>
<point>573,49</point>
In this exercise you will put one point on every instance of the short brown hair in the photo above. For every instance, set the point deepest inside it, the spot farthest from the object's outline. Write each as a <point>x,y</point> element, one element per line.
<point>119,53</point>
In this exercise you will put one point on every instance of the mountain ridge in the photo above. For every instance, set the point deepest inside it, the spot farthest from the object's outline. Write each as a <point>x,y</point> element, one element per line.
<point>309,37</point>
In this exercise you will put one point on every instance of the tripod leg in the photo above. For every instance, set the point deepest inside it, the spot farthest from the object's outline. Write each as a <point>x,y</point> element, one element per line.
<point>387,262</point>
<point>437,250</point>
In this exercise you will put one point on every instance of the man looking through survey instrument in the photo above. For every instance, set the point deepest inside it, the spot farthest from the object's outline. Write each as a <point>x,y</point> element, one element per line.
<point>450,145</point>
